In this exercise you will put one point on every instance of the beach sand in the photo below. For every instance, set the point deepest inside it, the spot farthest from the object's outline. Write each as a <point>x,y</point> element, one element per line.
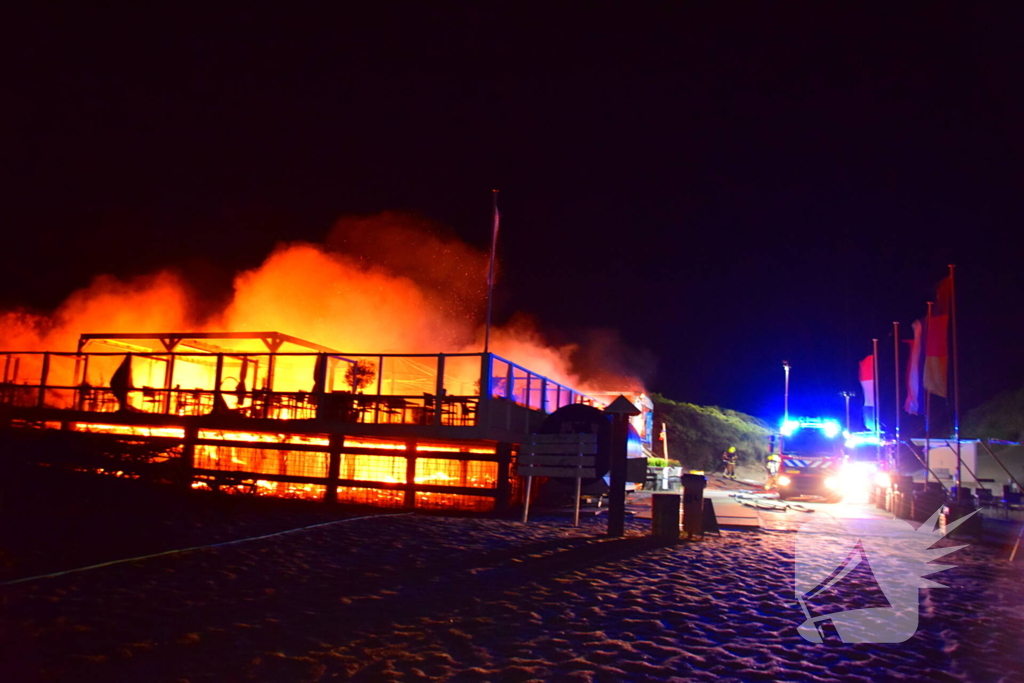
<point>431,598</point>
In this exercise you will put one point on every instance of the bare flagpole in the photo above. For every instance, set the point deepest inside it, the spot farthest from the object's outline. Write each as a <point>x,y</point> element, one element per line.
<point>490,274</point>
<point>876,398</point>
<point>896,364</point>
<point>927,403</point>
<point>956,378</point>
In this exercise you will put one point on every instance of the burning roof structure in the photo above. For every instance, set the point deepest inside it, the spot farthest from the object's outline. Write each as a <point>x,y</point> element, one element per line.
<point>400,424</point>
<point>272,414</point>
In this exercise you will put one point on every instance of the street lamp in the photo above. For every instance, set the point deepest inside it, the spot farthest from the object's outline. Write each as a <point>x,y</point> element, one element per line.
<point>847,395</point>
<point>785,396</point>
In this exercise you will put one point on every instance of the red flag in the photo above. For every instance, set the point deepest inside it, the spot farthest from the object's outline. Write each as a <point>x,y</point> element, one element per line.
<point>936,359</point>
<point>867,383</point>
<point>913,403</point>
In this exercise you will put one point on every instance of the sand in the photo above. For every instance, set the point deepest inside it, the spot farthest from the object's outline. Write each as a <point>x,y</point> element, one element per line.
<point>429,598</point>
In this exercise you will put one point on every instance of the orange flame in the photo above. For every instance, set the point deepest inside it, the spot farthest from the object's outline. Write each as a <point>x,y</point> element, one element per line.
<point>380,284</point>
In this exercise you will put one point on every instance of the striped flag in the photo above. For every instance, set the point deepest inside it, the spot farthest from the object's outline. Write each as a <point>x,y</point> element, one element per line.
<point>867,383</point>
<point>936,357</point>
<point>913,403</point>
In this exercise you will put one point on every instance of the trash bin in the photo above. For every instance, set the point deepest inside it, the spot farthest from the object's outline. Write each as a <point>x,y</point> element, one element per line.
<point>665,515</point>
<point>902,497</point>
<point>693,504</point>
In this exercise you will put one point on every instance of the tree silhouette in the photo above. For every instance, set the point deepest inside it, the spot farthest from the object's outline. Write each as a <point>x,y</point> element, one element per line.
<point>360,375</point>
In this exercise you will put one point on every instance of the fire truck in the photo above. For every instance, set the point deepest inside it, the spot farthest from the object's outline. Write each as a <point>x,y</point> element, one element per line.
<point>813,459</point>
<point>871,461</point>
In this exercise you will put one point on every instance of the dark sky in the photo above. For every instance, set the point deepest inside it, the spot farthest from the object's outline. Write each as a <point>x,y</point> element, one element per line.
<point>727,185</point>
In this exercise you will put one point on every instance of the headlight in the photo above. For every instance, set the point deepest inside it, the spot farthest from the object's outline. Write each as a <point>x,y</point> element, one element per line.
<point>882,480</point>
<point>831,483</point>
<point>785,481</point>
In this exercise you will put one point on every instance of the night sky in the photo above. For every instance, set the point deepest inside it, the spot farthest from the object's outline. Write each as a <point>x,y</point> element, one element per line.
<point>726,185</point>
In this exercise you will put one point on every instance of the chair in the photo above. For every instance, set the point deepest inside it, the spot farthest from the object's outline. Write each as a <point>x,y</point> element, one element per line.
<point>393,406</point>
<point>151,399</point>
<point>984,497</point>
<point>464,411</point>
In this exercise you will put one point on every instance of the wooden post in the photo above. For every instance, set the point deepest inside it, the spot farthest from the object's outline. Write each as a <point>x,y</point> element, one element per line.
<point>333,468</point>
<point>268,394</point>
<point>510,378</point>
<point>526,413</point>
<point>217,380</point>
<point>323,411</point>
<point>576,502</point>
<point>168,381</point>
<point>526,501</point>
<point>439,390</point>
<point>617,472</point>
<point>85,378</point>
<point>504,489</point>
<point>410,475</point>
<point>621,409</point>
<point>380,382</point>
<point>42,379</point>
<point>188,453</point>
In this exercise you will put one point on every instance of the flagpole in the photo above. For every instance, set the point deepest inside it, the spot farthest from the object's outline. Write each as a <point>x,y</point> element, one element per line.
<point>490,274</point>
<point>956,378</point>
<point>896,365</point>
<point>785,395</point>
<point>876,398</point>
<point>664,440</point>
<point>927,404</point>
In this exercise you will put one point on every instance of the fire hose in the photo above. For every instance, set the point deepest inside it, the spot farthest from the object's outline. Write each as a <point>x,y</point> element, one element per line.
<point>767,501</point>
<point>198,547</point>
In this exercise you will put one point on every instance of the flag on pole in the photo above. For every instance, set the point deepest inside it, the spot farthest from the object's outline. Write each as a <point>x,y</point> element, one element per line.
<point>494,245</point>
<point>913,403</point>
<point>936,359</point>
<point>490,273</point>
<point>661,437</point>
<point>867,383</point>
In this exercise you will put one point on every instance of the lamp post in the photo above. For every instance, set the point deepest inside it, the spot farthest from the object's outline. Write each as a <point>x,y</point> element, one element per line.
<point>847,395</point>
<point>785,395</point>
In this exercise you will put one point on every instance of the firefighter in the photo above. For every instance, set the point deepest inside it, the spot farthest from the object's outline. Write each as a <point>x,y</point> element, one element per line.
<point>729,459</point>
<point>773,465</point>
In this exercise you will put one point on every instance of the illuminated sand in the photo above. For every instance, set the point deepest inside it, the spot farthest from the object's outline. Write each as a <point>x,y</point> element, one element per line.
<point>427,598</point>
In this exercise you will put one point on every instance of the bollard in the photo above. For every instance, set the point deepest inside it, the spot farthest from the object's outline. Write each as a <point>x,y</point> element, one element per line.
<point>962,507</point>
<point>925,503</point>
<point>902,498</point>
<point>693,504</point>
<point>665,515</point>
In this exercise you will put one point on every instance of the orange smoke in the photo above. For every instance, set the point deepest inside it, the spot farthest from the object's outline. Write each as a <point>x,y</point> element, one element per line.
<point>380,284</point>
<point>157,303</point>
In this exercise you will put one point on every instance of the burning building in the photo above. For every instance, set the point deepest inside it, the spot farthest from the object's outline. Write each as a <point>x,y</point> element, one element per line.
<point>274,414</point>
<point>271,414</point>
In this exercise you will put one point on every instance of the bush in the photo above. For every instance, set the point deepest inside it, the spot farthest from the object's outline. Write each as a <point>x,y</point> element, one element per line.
<point>662,462</point>
<point>698,435</point>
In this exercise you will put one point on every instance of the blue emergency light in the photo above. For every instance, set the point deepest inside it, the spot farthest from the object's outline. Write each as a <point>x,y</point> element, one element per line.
<point>831,428</point>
